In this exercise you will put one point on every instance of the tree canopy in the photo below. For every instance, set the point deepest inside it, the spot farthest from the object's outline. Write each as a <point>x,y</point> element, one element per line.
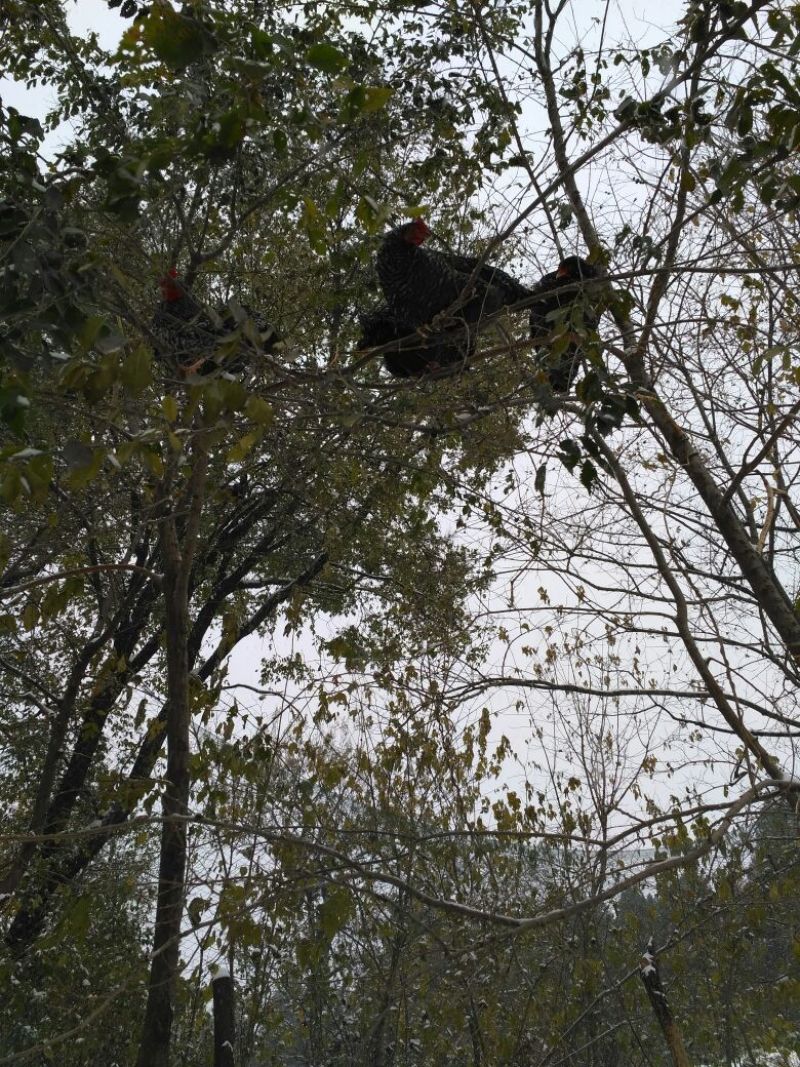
<point>423,705</point>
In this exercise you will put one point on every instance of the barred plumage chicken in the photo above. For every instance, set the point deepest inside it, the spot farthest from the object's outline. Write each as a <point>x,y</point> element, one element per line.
<point>200,340</point>
<point>413,355</point>
<point>419,283</point>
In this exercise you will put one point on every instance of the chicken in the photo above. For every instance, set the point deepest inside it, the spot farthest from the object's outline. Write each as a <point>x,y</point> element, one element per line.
<point>195,338</point>
<point>413,355</point>
<point>419,283</point>
<point>560,307</point>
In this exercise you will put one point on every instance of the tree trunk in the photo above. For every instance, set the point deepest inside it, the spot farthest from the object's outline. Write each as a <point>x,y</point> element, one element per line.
<point>648,972</point>
<point>164,968</point>
<point>154,1048</point>
<point>224,1023</point>
<point>66,865</point>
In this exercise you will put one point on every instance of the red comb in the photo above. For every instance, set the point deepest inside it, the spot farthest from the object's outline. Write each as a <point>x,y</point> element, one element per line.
<point>417,232</point>
<point>171,288</point>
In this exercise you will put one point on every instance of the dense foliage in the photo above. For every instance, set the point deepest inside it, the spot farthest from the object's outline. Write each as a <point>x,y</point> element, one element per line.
<point>424,704</point>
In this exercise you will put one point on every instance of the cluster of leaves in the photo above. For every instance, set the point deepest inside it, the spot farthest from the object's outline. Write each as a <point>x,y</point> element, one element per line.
<point>235,146</point>
<point>46,282</point>
<point>322,975</point>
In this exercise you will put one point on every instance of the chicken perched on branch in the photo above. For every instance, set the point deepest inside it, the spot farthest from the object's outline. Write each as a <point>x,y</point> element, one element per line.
<point>200,340</point>
<point>419,283</point>
<point>561,318</point>
<point>412,354</point>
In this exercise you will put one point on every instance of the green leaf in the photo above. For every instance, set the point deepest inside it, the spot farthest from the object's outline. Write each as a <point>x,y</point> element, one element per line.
<point>314,225</point>
<point>100,380</point>
<point>30,615</point>
<point>13,406</point>
<point>125,451</point>
<point>308,953</point>
<point>376,97</point>
<point>226,132</point>
<point>367,211</point>
<point>136,372</point>
<point>11,484</point>
<point>326,58</point>
<point>80,476</point>
<point>259,410</point>
<point>77,920</point>
<point>334,912</point>
<point>262,43</point>
<point>177,40</point>
<point>54,601</point>
<point>90,331</point>
<point>688,182</point>
<point>233,395</point>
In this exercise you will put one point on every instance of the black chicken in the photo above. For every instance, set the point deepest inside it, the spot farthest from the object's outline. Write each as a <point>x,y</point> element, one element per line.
<point>413,355</point>
<point>561,305</point>
<point>419,283</point>
<point>196,338</point>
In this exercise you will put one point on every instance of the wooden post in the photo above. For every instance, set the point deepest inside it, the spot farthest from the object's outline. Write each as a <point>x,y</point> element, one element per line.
<point>224,1024</point>
<point>648,972</point>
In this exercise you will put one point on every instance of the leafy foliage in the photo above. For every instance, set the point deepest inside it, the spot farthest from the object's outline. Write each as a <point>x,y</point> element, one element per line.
<point>404,863</point>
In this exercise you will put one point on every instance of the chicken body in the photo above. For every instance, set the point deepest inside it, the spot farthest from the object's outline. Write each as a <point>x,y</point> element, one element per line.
<point>561,305</point>
<point>191,336</point>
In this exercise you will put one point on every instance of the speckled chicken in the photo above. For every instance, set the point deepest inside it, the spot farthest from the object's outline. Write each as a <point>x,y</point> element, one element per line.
<point>419,283</point>
<point>194,337</point>
<point>414,354</point>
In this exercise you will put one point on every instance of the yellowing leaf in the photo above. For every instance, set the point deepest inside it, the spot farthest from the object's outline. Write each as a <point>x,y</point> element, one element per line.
<point>154,462</point>
<point>242,447</point>
<point>376,97</point>
<point>174,442</point>
<point>259,410</point>
<point>169,406</point>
